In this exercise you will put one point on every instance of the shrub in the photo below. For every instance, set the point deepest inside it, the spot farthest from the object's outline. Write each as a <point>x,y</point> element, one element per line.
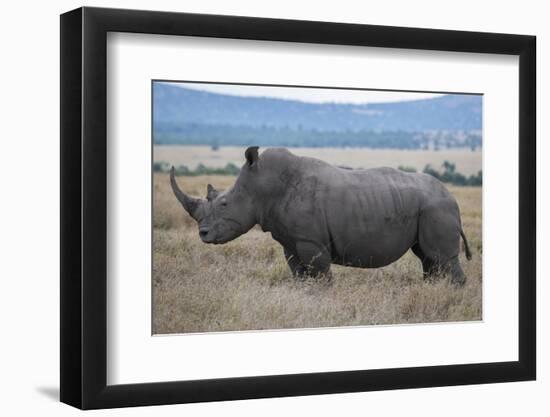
<point>161,166</point>
<point>449,175</point>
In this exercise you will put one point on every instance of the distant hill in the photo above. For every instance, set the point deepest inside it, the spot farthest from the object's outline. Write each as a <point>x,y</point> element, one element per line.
<point>183,115</point>
<point>174,104</point>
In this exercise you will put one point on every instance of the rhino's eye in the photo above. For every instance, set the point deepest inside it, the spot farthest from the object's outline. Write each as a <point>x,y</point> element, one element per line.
<point>224,203</point>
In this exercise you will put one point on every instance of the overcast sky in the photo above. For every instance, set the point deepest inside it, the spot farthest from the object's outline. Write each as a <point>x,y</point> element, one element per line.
<point>312,95</point>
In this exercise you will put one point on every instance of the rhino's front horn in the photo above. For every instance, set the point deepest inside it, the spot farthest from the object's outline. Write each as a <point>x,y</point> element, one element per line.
<point>190,204</point>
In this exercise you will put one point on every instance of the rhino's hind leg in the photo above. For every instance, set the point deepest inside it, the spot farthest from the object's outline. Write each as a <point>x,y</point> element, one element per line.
<point>429,267</point>
<point>458,277</point>
<point>439,243</point>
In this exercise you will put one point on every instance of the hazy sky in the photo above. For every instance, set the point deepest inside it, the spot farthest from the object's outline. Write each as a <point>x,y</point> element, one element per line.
<point>313,95</point>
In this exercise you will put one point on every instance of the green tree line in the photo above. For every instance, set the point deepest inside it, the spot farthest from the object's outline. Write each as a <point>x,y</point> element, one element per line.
<point>226,135</point>
<point>448,174</point>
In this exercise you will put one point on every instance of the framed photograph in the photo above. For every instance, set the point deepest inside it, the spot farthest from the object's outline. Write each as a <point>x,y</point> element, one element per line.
<point>256,208</point>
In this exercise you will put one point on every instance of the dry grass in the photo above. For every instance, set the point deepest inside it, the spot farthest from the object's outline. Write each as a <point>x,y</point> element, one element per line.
<point>246,285</point>
<point>467,162</point>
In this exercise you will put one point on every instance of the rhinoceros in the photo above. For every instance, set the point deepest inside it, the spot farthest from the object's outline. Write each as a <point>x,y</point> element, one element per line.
<point>322,214</point>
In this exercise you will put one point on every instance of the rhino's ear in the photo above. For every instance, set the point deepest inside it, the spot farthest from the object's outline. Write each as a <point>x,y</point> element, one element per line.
<point>251,155</point>
<point>211,192</point>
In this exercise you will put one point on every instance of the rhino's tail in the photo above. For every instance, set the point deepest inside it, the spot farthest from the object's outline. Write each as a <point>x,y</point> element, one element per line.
<point>466,247</point>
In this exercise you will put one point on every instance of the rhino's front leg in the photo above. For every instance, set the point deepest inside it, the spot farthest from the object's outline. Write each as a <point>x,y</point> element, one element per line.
<point>294,264</point>
<point>314,260</point>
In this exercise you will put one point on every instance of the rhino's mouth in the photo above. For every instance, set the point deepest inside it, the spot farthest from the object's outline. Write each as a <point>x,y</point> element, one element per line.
<point>214,241</point>
<point>208,238</point>
<point>211,237</point>
<point>217,235</point>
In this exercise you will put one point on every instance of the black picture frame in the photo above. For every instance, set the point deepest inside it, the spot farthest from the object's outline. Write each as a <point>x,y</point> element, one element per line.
<point>84,207</point>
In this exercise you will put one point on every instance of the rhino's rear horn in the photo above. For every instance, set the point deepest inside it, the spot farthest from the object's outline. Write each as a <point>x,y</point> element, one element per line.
<point>190,204</point>
<point>211,192</point>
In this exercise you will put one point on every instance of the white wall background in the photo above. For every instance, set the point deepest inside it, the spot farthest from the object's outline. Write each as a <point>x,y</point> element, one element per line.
<point>29,211</point>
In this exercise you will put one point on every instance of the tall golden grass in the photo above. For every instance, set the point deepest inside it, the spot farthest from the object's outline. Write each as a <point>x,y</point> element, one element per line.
<point>246,285</point>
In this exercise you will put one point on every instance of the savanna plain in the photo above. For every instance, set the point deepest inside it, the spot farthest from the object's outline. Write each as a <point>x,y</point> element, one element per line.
<point>246,284</point>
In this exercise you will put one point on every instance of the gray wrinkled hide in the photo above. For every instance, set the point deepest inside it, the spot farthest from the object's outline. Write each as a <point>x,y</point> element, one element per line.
<point>322,214</point>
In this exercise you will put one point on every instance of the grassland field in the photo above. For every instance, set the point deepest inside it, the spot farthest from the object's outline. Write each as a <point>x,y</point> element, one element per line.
<point>246,284</point>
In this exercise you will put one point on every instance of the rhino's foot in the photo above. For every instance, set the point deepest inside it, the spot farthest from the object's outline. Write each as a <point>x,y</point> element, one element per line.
<point>315,285</point>
<point>321,278</point>
<point>324,279</point>
<point>458,277</point>
<point>451,269</point>
<point>433,270</point>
